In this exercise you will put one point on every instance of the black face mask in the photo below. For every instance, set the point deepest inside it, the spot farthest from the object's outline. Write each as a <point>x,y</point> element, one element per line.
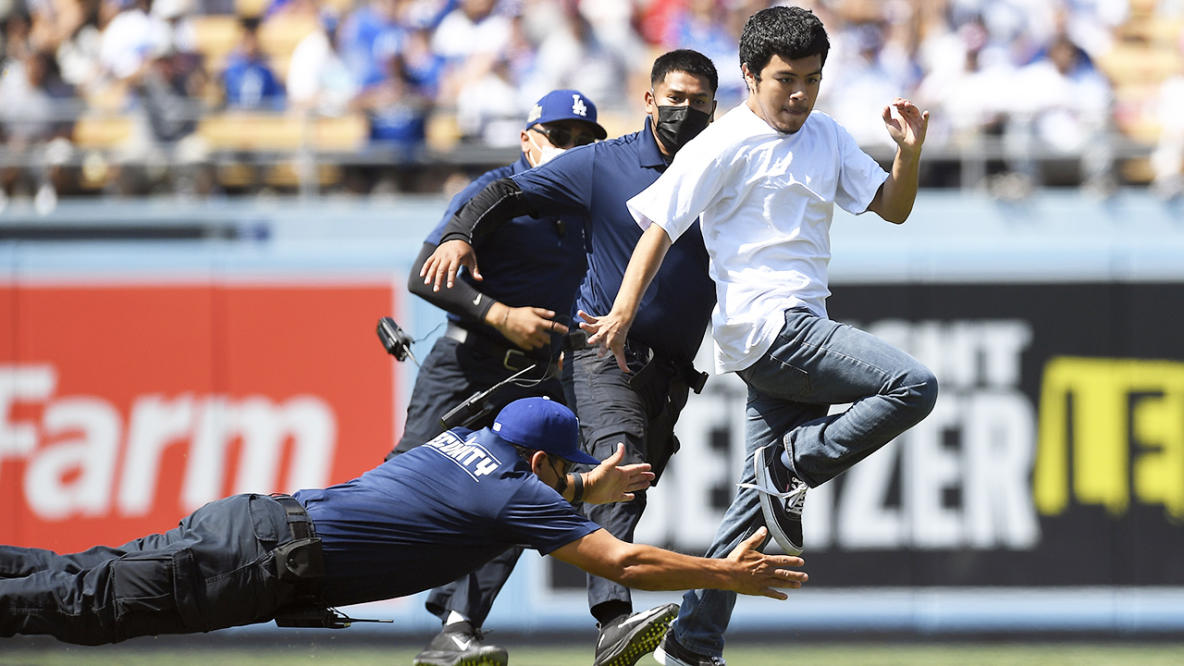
<point>676,125</point>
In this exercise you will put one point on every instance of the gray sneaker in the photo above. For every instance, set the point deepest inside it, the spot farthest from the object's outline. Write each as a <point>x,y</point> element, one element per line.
<point>461,647</point>
<point>672,653</point>
<point>783,496</point>
<point>624,641</point>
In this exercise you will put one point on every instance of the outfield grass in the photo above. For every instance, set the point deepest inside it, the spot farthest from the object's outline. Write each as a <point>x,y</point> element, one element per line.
<point>522,654</point>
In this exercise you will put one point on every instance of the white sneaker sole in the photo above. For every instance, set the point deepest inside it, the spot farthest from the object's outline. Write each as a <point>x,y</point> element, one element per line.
<point>661,657</point>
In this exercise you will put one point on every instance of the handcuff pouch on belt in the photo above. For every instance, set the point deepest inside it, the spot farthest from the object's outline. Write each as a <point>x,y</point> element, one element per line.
<point>666,402</point>
<point>300,560</point>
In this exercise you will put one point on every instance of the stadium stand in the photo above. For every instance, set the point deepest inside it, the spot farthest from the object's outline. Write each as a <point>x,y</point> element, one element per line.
<point>168,111</point>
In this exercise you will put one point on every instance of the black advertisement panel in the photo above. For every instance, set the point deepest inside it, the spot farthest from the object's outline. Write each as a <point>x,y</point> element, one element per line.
<point>1054,455</point>
<point>1082,382</point>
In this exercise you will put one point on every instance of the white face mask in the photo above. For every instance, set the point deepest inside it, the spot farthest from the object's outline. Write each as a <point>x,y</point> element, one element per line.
<point>546,153</point>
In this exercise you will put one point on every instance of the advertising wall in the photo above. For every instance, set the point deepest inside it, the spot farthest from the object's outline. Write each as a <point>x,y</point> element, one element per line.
<point>1044,492</point>
<point>126,406</point>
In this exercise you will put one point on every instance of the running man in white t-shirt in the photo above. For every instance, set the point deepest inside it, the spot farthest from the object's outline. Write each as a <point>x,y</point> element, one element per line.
<point>763,180</point>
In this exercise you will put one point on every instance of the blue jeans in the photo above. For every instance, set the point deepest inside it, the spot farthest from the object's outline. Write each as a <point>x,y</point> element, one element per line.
<point>813,363</point>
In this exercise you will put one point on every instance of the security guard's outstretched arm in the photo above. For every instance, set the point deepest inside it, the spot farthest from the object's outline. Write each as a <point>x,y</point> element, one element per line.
<point>746,570</point>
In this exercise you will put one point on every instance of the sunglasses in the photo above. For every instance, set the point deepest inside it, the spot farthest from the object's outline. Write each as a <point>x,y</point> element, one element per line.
<point>563,468</point>
<point>561,137</point>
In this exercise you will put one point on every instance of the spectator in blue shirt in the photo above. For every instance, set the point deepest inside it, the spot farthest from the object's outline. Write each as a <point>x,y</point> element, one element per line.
<point>369,36</point>
<point>247,81</point>
<point>415,521</point>
<point>398,105</point>
<point>638,408</point>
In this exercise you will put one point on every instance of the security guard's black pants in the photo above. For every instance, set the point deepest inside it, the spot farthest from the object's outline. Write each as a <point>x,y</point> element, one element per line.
<point>214,570</point>
<point>617,407</point>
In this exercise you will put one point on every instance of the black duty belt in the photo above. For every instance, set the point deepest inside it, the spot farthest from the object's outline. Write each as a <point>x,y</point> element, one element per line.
<point>299,562</point>
<point>298,521</point>
<point>512,358</point>
<point>686,372</point>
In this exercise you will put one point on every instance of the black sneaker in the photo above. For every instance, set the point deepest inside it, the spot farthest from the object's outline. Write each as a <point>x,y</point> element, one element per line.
<point>672,653</point>
<point>461,646</point>
<point>625,640</point>
<point>783,496</point>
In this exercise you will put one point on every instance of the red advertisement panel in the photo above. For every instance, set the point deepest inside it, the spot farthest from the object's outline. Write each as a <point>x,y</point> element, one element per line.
<point>123,408</point>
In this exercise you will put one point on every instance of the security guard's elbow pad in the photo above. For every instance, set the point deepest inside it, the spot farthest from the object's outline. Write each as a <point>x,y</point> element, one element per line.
<point>500,201</point>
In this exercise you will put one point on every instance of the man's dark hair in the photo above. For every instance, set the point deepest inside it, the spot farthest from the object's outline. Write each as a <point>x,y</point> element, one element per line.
<point>685,60</point>
<point>789,32</point>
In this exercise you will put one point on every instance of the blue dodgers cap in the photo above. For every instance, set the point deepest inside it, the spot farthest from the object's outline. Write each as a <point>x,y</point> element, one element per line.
<point>543,424</point>
<point>565,105</point>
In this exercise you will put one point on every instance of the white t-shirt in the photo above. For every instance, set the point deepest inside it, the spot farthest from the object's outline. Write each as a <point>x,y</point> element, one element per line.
<point>765,202</point>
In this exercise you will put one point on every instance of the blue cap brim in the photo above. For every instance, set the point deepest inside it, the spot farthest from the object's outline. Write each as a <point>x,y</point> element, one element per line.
<point>581,457</point>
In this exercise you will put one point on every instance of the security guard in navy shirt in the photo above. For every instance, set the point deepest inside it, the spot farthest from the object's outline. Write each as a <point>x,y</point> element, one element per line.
<point>417,520</point>
<point>514,318</point>
<point>638,408</point>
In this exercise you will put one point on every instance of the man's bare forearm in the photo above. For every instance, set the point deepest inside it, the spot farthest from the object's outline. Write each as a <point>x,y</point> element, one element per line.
<point>746,570</point>
<point>900,189</point>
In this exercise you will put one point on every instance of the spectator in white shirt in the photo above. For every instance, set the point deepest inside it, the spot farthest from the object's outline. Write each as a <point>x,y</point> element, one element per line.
<point>864,83</point>
<point>318,80</point>
<point>1168,158</point>
<point>131,39</point>
<point>1063,105</point>
<point>763,181</point>
<point>472,28</point>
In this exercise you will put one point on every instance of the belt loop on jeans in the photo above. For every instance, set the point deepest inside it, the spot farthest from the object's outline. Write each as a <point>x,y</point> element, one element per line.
<point>298,520</point>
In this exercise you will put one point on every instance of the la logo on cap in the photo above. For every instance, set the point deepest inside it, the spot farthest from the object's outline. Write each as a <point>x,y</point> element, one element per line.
<point>535,113</point>
<point>577,105</point>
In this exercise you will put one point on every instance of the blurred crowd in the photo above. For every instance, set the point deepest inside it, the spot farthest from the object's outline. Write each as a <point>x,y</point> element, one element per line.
<point>1023,81</point>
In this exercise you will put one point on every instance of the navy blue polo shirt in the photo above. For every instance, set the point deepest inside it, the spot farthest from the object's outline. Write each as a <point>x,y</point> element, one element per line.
<point>428,516</point>
<point>597,180</point>
<point>528,261</point>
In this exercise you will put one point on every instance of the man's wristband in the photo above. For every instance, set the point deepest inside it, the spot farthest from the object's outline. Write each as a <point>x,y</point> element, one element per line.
<point>456,235</point>
<point>577,487</point>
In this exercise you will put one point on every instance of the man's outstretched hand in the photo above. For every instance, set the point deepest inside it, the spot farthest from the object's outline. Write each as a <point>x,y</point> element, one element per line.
<point>613,482</point>
<point>608,333</point>
<point>445,263</point>
<point>759,574</point>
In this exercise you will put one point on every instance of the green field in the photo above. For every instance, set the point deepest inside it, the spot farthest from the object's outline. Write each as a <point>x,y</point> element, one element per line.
<point>524,654</point>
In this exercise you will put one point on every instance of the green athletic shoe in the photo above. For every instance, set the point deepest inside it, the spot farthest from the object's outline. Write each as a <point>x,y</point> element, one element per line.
<point>625,640</point>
